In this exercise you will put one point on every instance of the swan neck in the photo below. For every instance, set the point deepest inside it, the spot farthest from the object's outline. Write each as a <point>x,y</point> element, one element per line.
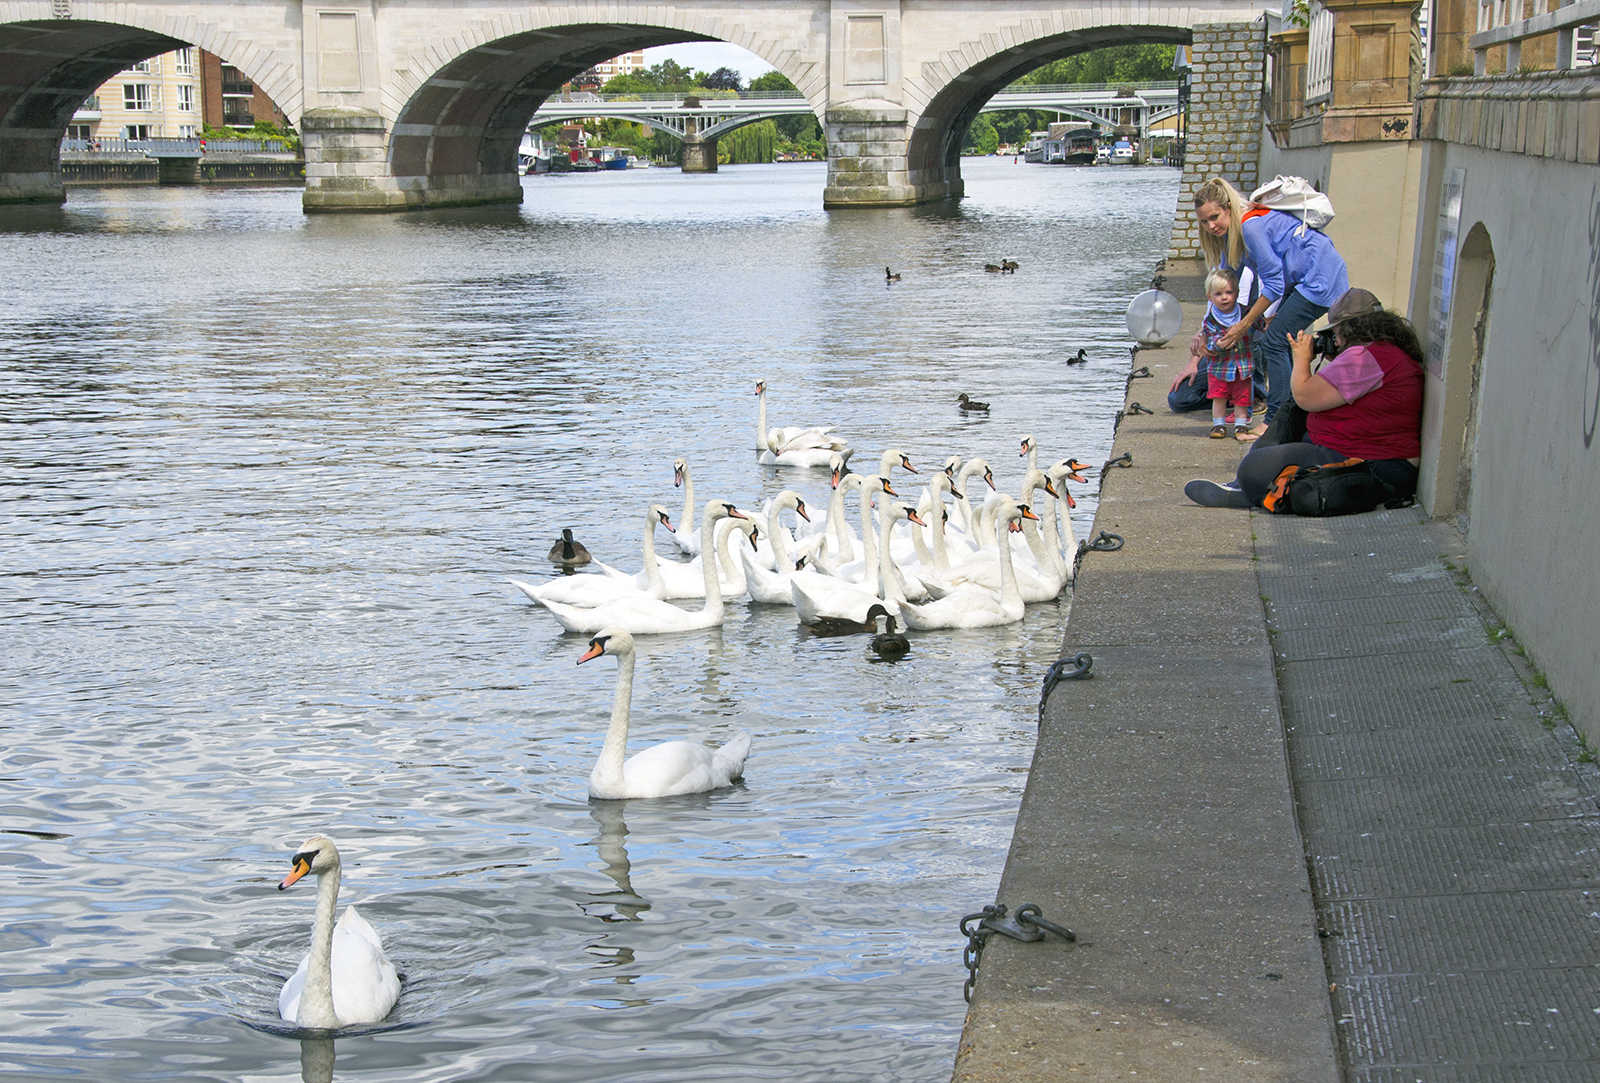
<point>608,769</point>
<point>761,421</point>
<point>869,543</point>
<point>652,573</point>
<point>316,996</point>
<point>888,582</point>
<point>941,555</point>
<point>841,529</point>
<point>1009,594</point>
<point>780,547</point>
<point>688,500</point>
<point>708,566</point>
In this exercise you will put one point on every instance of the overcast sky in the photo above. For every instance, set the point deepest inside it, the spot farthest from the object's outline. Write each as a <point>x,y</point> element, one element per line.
<point>709,56</point>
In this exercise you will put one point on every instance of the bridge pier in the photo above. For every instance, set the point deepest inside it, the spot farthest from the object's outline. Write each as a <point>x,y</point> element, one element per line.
<point>349,167</point>
<point>699,150</point>
<point>1223,137</point>
<point>870,162</point>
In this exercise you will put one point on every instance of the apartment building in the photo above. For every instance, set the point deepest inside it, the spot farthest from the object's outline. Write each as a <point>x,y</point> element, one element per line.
<point>626,64</point>
<point>153,99</point>
<point>173,96</point>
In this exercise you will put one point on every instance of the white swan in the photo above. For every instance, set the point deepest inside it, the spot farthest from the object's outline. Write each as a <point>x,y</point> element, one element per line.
<point>662,770</point>
<point>346,978</point>
<point>793,445</point>
<point>688,542</point>
<point>1040,576</point>
<point>765,585</point>
<point>592,590</point>
<point>1063,540</point>
<point>820,596</point>
<point>643,616</point>
<point>975,607</point>
<point>687,580</point>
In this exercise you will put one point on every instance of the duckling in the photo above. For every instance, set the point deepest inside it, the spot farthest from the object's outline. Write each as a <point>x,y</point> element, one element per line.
<point>993,268</point>
<point>569,553</point>
<point>965,404</point>
<point>1009,266</point>
<point>892,276</point>
<point>890,644</point>
<point>1081,357</point>
<point>843,626</point>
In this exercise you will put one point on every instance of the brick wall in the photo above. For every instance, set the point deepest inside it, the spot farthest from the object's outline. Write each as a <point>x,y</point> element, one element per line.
<point>1224,132</point>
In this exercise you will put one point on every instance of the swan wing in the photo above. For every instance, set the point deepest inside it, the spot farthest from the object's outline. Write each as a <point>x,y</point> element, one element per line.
<point>676,767</point>
<point>590,590</point>
<point>805,458</point>
<point>640,616</point>
<point>289,998</point>
<point>365,985</point>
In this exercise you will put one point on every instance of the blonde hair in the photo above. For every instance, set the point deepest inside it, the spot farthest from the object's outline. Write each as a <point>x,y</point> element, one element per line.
<point>1221,274</point>
<point>1217,190</point>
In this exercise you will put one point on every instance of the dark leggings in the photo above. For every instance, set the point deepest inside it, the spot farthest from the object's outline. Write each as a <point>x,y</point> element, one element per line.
<point>1259,469</point>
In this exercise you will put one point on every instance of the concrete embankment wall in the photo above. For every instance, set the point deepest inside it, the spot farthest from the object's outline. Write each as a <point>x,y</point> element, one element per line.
<point>1511,433</point>
<point>95,170</point>
<point>1157,822</point>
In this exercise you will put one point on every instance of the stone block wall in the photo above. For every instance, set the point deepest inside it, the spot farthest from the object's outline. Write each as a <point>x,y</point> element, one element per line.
<point>1224,133</point>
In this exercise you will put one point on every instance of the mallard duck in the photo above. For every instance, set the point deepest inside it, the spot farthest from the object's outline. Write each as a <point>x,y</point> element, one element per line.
<point>1078,359</point>
<point>569,553</point>
<point>964,403</point>
<point>843,626</point>
<point>890,275</point>
<point>1009,266</point>
<point>993,268</point>
<point>889,643</point>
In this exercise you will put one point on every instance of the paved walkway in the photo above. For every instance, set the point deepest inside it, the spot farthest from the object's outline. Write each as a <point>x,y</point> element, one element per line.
<point>1305,819</point>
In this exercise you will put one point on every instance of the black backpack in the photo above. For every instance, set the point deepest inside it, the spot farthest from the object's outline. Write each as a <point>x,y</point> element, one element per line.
<point>1342,488</point>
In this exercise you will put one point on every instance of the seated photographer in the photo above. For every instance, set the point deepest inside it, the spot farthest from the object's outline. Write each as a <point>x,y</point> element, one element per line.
<point>1366,403</point>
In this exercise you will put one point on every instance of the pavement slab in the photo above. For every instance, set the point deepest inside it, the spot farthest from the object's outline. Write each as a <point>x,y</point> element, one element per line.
<point>1307,818</point>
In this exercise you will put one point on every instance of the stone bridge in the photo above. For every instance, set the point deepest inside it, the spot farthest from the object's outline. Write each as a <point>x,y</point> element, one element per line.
<point>424,102</point>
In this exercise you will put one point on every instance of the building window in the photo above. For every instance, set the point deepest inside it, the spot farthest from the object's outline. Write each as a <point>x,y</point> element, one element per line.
<point>149,67</point>
<point>186,131</point>
<point>136,96</point>
<point>136,131</point>
<point>78,131</point>
<point>185,61</point>
<point>185,98</point>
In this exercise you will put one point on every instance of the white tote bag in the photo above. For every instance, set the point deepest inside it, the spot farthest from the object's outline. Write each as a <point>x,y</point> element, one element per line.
<point>1299,198</point>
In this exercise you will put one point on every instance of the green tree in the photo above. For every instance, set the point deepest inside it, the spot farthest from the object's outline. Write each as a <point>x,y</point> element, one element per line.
<point>981,137</point>
<point>1116,64</point>
<point>752,143</point>
<point>773,80</point>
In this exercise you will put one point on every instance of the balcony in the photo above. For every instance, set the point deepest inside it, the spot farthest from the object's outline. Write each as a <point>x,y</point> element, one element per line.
<point>238,88</point>
<point>238,120</point>
<point>89,110</point>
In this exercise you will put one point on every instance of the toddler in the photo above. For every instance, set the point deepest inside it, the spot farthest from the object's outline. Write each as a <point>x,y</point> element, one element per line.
<point>1228,370</point>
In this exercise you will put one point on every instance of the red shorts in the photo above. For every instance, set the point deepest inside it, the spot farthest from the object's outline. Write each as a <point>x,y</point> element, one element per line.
<point>1235,391</point>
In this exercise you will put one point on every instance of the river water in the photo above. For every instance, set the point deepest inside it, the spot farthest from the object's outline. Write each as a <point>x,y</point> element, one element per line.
<point>265,476</point>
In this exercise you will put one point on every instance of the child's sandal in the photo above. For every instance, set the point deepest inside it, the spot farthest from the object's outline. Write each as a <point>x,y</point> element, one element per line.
<point>1219,432</point>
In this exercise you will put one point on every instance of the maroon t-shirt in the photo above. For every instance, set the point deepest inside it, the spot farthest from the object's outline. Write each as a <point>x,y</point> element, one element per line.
<point>1383,423</point>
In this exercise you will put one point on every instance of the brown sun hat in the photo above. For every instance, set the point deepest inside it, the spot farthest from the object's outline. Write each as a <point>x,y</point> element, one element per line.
<point>1353,303</point>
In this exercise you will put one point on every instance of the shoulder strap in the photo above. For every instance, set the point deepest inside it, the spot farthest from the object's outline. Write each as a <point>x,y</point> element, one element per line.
<point>1254,212</point>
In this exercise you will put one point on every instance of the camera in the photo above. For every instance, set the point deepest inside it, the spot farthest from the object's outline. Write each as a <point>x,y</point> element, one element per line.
<point>1324,345</point>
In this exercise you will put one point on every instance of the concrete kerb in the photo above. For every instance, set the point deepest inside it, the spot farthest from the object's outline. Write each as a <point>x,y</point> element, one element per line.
<point>1158,822</point>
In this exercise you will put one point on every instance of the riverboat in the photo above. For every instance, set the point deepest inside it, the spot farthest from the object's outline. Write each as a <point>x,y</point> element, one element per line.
<point>1079,147</point>
<point>1122,153</point>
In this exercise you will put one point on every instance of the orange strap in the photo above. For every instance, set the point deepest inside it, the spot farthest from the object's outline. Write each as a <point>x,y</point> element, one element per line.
<point>1253,212</point>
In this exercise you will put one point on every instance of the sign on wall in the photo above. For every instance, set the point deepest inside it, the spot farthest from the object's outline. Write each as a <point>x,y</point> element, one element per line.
<point>1446,236</point>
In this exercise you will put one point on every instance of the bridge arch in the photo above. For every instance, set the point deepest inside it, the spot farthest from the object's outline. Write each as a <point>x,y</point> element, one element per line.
<point>460,115</point>
<point>52,64</point>
<point>957,96</point>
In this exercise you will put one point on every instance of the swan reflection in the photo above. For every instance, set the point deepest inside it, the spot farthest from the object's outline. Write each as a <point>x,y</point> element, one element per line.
<point>623,904</point>
<point>316,1060</point>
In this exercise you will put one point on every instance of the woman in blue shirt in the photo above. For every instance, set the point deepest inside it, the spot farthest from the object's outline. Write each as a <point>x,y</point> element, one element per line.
<point>1298,269</point>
